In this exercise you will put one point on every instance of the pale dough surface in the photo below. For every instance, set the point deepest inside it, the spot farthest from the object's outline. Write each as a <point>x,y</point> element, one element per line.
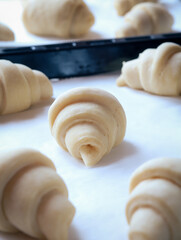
<point>157,71</point>
<point>145,19</point>
<point>6,34</point>
<point>153,209</point>
<point>124,6</point>
<point>87,122</point>
<point>21,87</point>
<point>58,18</point>
<point>33,197</point>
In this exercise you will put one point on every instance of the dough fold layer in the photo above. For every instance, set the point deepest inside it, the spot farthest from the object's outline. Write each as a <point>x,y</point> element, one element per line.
<point>33,198</point>
<point>145,19</point>
<point>124,6</point>
<point>6,34</point>
<point>88,123</point>
<point>58,18</point>
<point>154,209</point>
<point>156,71</point>
<point>21,87</point>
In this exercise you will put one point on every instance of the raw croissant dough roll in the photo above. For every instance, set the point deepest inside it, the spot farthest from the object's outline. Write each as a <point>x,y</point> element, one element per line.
<point>59,18</point>
<point>124,6</point>
<point>145,19</point>
<point>154,206</point>
<point>20,87</point>
<point>157,71</point>
<point>33,198</point>
<point>88,123</point>
<point>6,34</point>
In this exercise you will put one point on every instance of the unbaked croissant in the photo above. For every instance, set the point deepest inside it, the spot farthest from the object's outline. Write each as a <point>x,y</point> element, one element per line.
<point>6,34</point>
<point>124,6</point>
<point>59,18</point>
<point>20,87</point>
<point>33,197</point>
<point>157,71</point>
<point>145,19</point>
<point>154,206</point>
<point>88,123</point>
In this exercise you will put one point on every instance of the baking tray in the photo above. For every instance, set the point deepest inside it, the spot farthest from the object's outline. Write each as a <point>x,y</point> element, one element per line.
<point>83,58</point>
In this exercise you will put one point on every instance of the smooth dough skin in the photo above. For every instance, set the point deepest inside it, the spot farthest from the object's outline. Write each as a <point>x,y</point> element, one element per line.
<point>124,6</point>
<point>154,208</point>
<point>88,123</point>
<point>33,197</point>
<point>58,18</point>
<point>157,71</point>
<point>6,34</point>
<point>21,87</point>
<point>145,19</point>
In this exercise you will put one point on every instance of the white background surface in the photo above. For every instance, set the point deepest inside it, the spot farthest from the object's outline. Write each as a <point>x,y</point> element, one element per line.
<point>153,130</point>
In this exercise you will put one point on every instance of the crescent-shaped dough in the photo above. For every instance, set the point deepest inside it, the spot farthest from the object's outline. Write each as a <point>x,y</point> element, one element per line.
<point>157,71</point>
<point>154,208</point>
<point>58,18</point>
<point>21,87</point>
<point>124,6</point>
<point>33,198</point>
<point>6,34</point>
<point>145,19</point>
<point>88,123</point>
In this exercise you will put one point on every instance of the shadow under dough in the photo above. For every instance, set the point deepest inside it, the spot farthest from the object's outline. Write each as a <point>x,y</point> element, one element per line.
<point>73,234</point>
<point>118,153</point>
<point>29,113</point>
<point>15,236</point>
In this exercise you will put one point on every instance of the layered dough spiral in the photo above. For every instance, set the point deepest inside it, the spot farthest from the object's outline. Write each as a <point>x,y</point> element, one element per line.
<point>21,87</point>
<point>157,71</point>
<point>154,207</point>
<point>58,18</point>
<point>145,19</point>
<point>124,6</point>
<point>88,123</point>
<point>33,197</point>
<point>6,34</point>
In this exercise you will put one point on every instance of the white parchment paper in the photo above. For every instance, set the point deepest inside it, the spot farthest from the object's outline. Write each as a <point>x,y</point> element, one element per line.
<point>153,130</point>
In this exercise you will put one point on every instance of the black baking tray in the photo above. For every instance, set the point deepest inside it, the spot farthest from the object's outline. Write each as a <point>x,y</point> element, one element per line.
<point>83,58</point>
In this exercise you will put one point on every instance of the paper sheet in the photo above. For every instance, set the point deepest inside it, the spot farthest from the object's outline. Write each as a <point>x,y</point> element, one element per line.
<point>99,194</point>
